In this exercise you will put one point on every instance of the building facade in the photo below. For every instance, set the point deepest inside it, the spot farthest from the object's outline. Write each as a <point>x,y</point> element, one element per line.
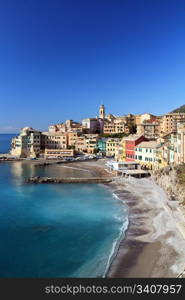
<point>130,143</point>
<point>115,126</point>
<point>91,142</point>
<point>149,129</point>
<point>27,143</point>
<point>112,146</point>
<point>58,153</point>
<point>169,122</point>
<point>102,146</point>
<point>54,140</point>
<point>68,126</point>
<point>145,153</point>
<point>181,143</point>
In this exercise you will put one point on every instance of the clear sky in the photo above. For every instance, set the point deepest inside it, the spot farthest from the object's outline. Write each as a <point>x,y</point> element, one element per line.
<point>60,59</point>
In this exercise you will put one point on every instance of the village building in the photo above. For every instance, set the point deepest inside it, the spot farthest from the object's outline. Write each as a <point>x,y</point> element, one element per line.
<point>150,129</point>
<point>54,140</point>
<point>130,143</point>
<point>101,146</point>
<point>27,143</point>
<point>145,153</point>
<point>170,120</point>
<point>68,126</point>
<point>112,146</point>
<point>58,153</point>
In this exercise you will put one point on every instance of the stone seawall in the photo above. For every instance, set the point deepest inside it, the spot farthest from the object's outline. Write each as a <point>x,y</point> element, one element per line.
<point>68,180</point>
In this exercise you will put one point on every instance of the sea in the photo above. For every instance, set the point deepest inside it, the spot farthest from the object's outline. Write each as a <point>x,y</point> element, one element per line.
<point>56,230</point>
<point>5,142</point>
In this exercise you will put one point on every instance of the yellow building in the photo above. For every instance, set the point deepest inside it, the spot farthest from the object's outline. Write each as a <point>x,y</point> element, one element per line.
<point>121,151</point>
<point>115,126</point>
<point>72,138</point>
<point>161,161</point>
<point>112,146</point>
<point>80,145</point>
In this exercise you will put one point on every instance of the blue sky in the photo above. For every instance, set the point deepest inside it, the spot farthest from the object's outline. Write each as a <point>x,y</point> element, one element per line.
<point>61,59</point>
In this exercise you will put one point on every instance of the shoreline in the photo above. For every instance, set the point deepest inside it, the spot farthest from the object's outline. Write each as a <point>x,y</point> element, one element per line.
<point>152,245</point>
<point>147,249</point>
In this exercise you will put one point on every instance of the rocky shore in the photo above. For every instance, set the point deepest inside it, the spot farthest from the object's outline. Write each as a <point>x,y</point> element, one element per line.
<point>172,181</point>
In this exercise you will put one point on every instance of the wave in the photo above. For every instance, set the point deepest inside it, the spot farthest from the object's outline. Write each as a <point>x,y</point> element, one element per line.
<point>123,229</point>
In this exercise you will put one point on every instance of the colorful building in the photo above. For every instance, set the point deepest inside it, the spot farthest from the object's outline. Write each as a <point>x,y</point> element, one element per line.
<point>145,153</point>
<point>114,126</point>
<point>112,146</point>
<point>101,146</point>
<point>130,143</point>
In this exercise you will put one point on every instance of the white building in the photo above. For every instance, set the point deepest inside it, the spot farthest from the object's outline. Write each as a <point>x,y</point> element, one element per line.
<point>145,153</point>
<point>27,143</point>
<point>122,165</point>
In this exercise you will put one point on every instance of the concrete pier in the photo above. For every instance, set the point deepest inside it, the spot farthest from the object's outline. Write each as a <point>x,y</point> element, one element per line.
<point>68,180</point>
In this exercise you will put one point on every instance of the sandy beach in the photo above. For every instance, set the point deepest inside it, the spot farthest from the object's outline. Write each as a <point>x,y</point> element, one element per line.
<point>154,243</point>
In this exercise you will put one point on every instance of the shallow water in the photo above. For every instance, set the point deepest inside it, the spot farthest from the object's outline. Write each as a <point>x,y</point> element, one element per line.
<point>57,230</point>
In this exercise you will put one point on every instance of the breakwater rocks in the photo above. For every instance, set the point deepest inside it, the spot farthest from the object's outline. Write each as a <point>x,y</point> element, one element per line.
<point>68,180</point>
<point>172,180</point>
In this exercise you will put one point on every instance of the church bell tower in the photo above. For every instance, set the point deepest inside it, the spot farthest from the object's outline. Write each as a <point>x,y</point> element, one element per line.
<point>102,112</point>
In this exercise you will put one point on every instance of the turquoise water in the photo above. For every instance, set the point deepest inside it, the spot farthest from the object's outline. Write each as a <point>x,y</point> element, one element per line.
<point>63,230</point>
<point>5,142</point>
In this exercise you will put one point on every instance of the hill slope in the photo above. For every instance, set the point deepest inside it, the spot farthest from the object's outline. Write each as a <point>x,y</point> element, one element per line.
<point>179,109</point>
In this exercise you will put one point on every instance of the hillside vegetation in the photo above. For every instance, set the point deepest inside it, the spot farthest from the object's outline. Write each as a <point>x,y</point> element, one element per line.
<point>180,109</point>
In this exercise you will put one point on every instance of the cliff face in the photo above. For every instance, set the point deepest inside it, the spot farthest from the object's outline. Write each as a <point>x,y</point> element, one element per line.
<point>172,180</point>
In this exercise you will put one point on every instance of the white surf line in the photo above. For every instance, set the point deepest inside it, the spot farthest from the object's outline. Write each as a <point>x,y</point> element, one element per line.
<point>75,168</point>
